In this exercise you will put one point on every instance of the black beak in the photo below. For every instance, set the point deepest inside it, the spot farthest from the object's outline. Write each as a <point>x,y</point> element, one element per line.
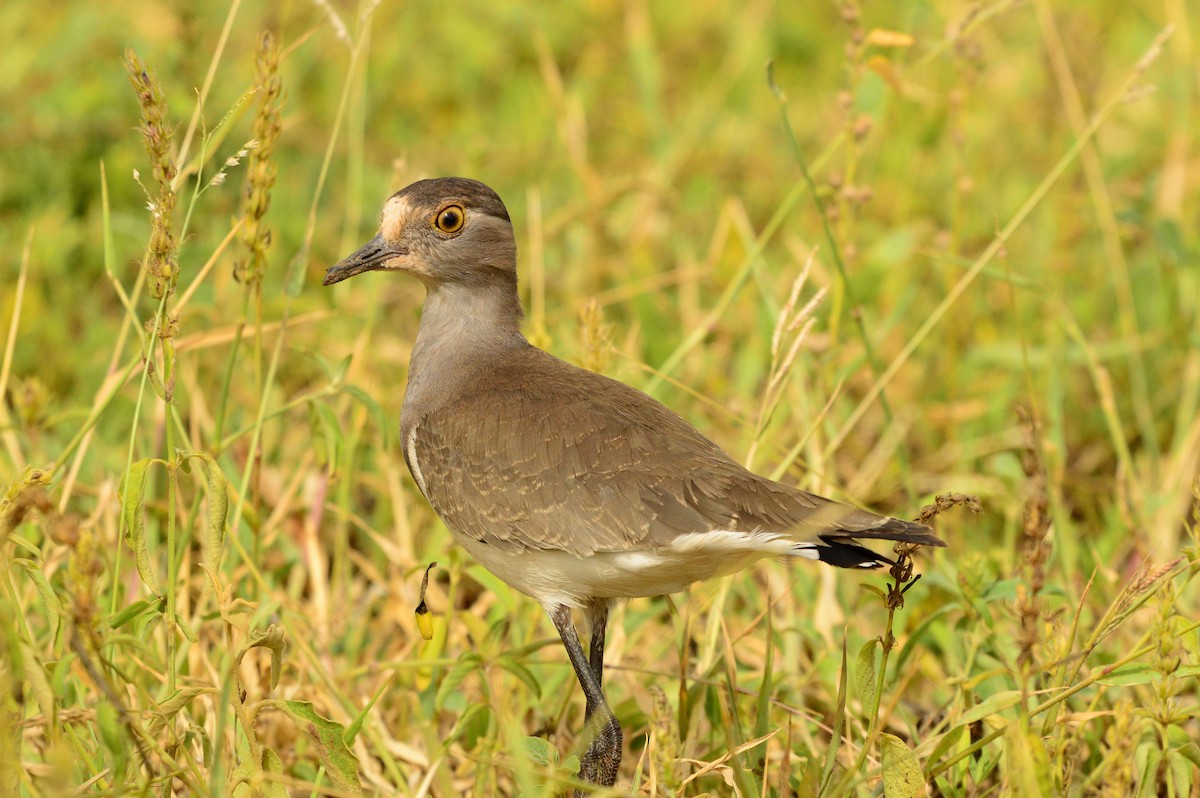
<point>371,256</point>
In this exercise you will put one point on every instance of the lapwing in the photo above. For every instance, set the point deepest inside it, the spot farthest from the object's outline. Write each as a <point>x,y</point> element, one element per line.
<point>573,488</point>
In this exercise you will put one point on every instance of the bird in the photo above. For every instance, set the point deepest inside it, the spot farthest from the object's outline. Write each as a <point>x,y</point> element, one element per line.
<point>573,488</point>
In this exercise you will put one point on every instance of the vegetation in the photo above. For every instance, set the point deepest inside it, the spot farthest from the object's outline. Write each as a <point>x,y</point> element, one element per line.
<point>937,250</point>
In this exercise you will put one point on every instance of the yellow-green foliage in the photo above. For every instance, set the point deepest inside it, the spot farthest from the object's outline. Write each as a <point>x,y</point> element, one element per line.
<point>210,549</point>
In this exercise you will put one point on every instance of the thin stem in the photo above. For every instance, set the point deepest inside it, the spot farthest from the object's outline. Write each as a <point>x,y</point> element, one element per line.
<point>148,354</point>
<point>172,554</point>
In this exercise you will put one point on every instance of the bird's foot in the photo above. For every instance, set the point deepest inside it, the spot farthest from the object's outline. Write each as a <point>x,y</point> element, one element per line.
<point>600,761</point>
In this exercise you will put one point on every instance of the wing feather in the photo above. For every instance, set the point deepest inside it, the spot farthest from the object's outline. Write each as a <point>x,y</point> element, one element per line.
<point>608,468</point>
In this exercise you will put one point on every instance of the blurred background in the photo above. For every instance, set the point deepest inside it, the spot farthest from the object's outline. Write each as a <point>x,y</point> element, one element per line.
<point>991,207</point>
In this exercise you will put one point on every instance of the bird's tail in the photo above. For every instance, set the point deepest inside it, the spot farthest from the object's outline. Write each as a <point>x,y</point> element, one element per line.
<point>840,548</point>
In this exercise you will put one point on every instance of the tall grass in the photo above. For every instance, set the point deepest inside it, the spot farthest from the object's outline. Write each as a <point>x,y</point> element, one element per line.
<point>941,257</point>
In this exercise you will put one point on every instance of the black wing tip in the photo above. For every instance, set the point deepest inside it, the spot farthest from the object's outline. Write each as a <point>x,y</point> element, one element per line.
<point>842,550</point>
<point>843,554</point>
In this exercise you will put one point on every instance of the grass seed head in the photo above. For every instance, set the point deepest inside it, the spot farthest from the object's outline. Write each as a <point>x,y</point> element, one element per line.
<point>1033,548</point>
<point>161,254</point>
<point>260,169</point>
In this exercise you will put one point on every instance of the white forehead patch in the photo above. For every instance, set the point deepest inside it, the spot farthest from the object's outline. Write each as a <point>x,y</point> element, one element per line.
<point>395,215</point>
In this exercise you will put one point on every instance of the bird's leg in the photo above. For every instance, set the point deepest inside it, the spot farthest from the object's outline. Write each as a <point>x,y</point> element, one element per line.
<point>599,762</point>
<point>598,618</point>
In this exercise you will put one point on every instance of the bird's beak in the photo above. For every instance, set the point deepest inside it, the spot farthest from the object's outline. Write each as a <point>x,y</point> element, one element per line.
<point>372,256</point>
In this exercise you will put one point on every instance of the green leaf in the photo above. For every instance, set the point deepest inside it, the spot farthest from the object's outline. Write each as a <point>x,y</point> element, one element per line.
<point>326,424</point>
<point>993,705</point>
<point>876,589</point>
<point>467,663</point>
<point>539,751</point>
<point>273,767</point>
<point>1130,674</point>
<point>132,495</point>
<point>168,353</point>
<point>864,675</point>
<point>947,744</point>
<point>169,708</point>
<point>1189,751</point>
<point>521,672</point>
<point>902,776</point>
<point>111,733</point>
<point>472,725</point>
<point>50,602</point>
<point>263,780</point>
<point>218,506</point>
<point>33,670</point>
<point>1028,764</point>
<point>1181,773</point>
<point>1146,759</point>
<point>136,610</point>
<point>373,407</point>
<point>326,737</point>
<point>1142,673</point>
<point>356,724</point>
<point>839,721</point>
<point>271,638</point>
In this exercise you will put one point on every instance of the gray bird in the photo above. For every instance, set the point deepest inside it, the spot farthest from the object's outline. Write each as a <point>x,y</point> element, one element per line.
<point>573,488</point>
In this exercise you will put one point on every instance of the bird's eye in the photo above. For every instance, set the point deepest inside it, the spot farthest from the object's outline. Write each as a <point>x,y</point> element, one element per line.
<point>450,219</point>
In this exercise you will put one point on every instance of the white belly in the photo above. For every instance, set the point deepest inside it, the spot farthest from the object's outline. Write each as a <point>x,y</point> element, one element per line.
<point>559,578</point>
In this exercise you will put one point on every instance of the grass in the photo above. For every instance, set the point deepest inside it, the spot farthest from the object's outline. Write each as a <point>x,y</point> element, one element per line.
<point>944,251</point>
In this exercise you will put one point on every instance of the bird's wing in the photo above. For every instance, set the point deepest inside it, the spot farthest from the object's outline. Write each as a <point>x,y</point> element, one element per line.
<point>610,469</point>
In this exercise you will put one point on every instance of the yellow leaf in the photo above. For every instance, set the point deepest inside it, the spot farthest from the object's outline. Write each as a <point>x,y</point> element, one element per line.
<point>889,38</point>
<point>902,776</point>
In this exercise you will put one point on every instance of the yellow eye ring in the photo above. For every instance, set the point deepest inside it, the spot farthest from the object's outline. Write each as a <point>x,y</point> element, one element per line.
<point>450,219</point>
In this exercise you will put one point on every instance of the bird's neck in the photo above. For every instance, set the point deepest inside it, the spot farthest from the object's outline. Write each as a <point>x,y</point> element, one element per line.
<point>463,328</point>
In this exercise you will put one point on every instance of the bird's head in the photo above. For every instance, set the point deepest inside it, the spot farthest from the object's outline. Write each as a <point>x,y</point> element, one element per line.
<point>449,230</point>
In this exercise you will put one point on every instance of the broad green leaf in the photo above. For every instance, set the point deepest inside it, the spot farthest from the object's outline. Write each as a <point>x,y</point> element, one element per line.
<point>902,776</point>
<point>132,495</point>
<point>864,674</point>
<point>540,751</point>
<point>1028,764</point>
<point>1146,759</point>
<point>1189,750</point>
<point>1181,772</point>
<point>326,737</point>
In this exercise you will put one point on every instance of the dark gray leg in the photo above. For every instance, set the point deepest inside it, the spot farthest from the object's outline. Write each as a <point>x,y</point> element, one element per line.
<point>599,762</point>
<point>598,618</point>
